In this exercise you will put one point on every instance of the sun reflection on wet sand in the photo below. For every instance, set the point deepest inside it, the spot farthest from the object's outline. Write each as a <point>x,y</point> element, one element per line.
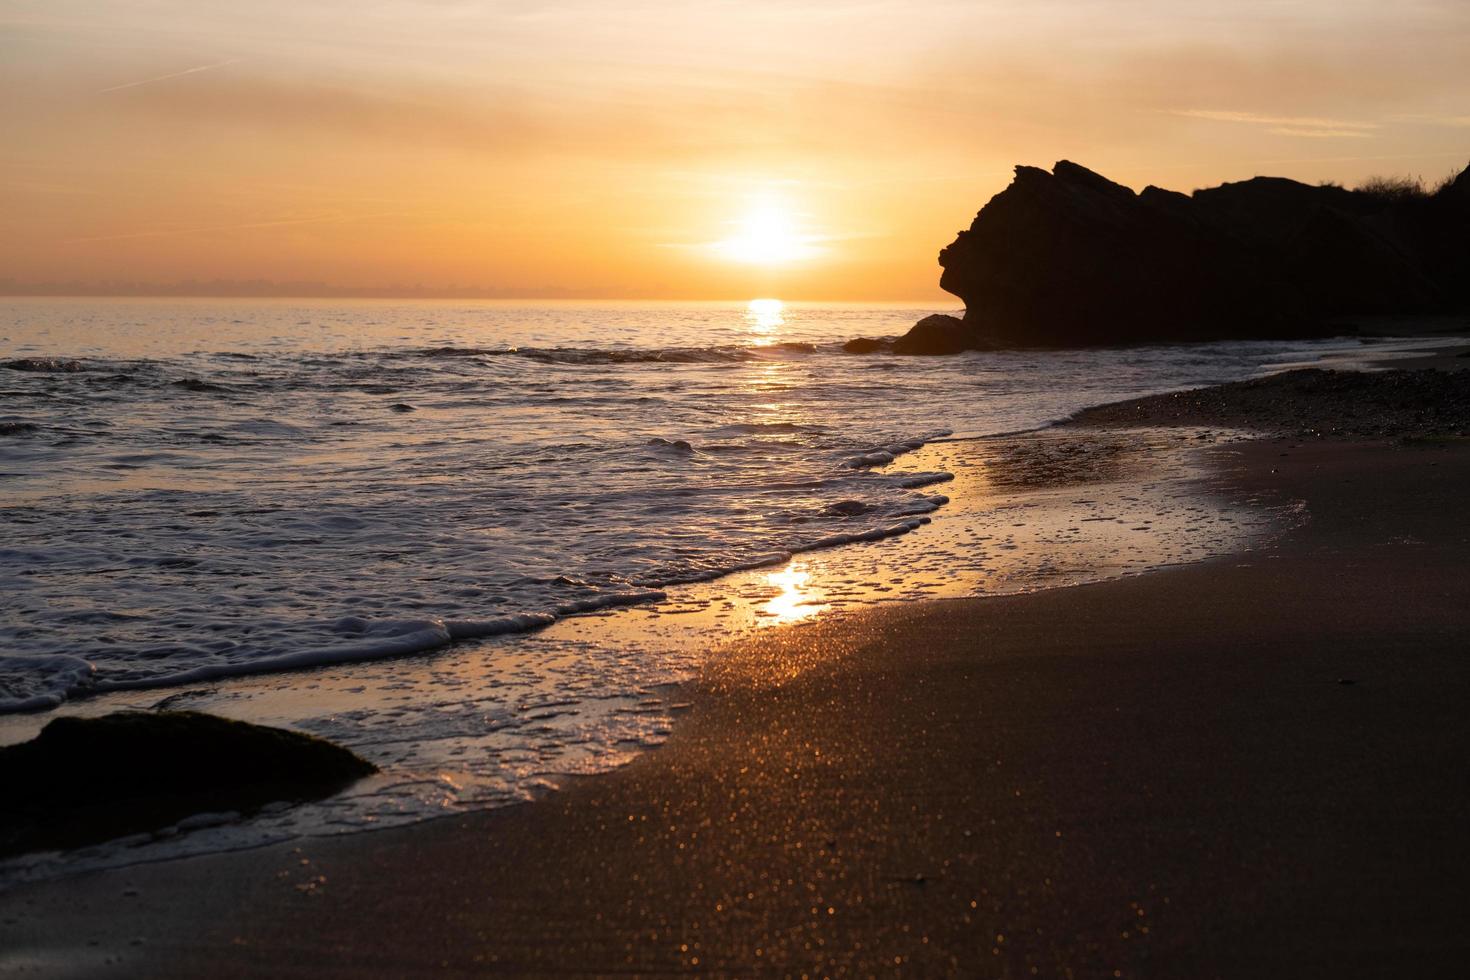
<point>795,600</point>
<point>1046,510</point>
<point>765,319</point>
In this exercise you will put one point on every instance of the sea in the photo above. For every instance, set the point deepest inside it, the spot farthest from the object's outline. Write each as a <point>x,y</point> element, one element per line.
<point>478,542</point>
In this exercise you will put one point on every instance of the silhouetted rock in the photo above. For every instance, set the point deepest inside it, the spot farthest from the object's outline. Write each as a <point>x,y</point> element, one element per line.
<point>84,780</point>
<point>1069,258</point>
<point>937,334</point>
<point>866,345</point>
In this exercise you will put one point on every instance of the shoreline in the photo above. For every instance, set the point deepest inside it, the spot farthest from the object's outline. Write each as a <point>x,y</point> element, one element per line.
<point>438,636</point>
<point>886,767</point>
<point>1038,509</point>
<point>811,667</point>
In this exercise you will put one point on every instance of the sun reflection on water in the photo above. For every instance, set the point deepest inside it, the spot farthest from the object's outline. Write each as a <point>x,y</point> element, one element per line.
<point>795,600</point>
<point>765,319</point>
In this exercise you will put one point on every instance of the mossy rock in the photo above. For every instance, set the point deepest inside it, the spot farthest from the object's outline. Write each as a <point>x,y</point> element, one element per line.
<point>86,780</point>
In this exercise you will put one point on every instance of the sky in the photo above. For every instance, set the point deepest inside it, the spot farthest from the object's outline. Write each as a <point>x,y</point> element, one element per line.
<point>702,149</point>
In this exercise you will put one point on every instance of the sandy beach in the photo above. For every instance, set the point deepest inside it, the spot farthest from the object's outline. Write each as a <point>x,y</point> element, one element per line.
<point>1249,766</point>
<point>757,489</point>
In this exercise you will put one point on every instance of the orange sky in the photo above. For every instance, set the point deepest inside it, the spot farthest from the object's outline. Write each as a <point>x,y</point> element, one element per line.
<point>695,149</point>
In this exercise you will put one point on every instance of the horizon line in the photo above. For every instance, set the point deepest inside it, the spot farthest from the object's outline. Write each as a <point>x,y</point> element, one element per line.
<point>40,292</point>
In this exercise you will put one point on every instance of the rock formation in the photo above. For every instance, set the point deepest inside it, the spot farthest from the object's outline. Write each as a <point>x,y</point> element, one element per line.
<point>935,334</point>
<point>85,780</point>
<point>1069,258</point>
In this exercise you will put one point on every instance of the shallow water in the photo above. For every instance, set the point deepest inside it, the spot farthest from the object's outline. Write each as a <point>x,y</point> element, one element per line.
<point>195,491</point>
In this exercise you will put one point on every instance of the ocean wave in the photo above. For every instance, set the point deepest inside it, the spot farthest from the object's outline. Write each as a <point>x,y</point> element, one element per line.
<point>45,365</point>
<point>39,682</point>
<point>724,353</point>
<point>198,385</point>
<point>32,683</point>
<point>887,454</point>
<point>473,545</point>
<point>917,480</point>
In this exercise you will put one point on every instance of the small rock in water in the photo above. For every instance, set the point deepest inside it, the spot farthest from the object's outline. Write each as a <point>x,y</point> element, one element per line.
<point>401,407</point>
<point>937,333</point>
<point>866,345</point>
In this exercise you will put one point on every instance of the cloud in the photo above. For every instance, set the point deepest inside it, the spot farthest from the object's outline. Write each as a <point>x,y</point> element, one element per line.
<point>1319,132</point>
<point>246,226</point>
<point>1451,122</point>
<point>1367,159</point>
<point>1308,126</point>
<point>291,105</point>
<point>163,78</point>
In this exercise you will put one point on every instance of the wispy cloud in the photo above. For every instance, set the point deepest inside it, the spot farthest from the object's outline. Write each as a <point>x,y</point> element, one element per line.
<point>163,78</point>
<point>1366,159</point>
<point>279,223</point>
<point>1309,126</point>
<point>1319,133</point>
<point>1454,122</point>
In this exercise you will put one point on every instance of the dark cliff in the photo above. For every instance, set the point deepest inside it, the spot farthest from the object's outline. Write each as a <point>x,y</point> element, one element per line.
<point>1069,258</point>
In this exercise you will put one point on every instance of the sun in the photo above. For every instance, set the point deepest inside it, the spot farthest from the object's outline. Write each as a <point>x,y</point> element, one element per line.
<point>767,234</point>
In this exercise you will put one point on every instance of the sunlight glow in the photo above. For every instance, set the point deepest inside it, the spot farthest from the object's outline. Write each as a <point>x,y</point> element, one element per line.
<point>767,235</point>
<point>795,601</point>
<point>764,317</point>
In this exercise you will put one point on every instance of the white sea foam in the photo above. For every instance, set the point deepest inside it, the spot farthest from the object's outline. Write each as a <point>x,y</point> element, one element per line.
<point>374,640</point>
<point>879,457</point>
<point>30,683</point>
<point>919,480</point>
<point>608,599</point>
<point>469,629</point>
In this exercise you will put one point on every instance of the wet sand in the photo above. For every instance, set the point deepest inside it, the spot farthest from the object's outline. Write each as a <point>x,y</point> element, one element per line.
<point>1251,766</point>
